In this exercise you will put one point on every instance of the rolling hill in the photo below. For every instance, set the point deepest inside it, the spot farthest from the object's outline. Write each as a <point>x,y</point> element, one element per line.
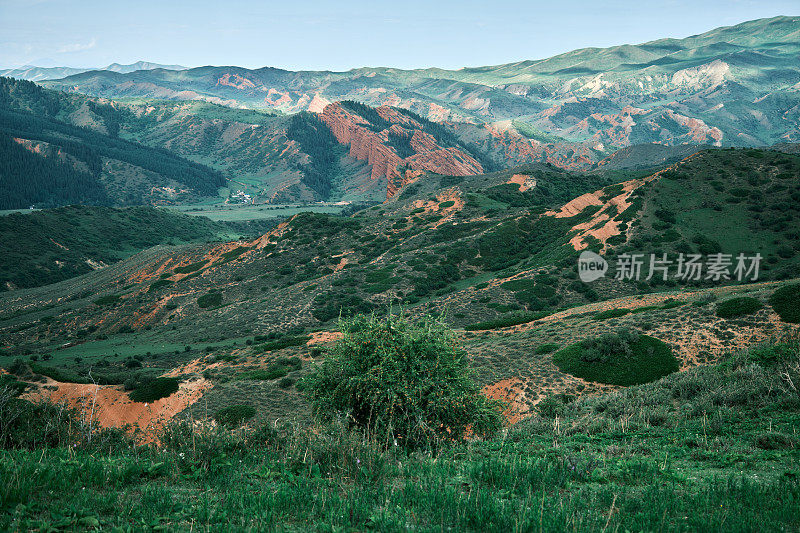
<point>493,251</point>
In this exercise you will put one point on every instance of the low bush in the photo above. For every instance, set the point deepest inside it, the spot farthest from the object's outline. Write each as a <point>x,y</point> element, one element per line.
<point>507,321</point>
<point>545,348</point>
<point>212,299</point>
<point>188,269</point>
<point>736,307</point>
<point>405,382</point>
<point>286,383</point>
<point>277,369</point>
<point>154,389</point>
<point>158,284</point>
<point>786,302</point>
<point>623,358</point>
<point>108,299</point>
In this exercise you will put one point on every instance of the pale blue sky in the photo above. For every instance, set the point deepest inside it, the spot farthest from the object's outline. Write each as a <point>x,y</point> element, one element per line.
<point>338,35</point>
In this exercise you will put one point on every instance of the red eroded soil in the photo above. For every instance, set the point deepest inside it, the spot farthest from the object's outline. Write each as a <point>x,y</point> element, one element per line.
<point>110,406</point>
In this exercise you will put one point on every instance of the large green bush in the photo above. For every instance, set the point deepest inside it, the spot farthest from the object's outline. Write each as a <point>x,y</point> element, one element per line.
<point>736,307</point>
<point>155,389</point>
<point>212,299</point>
<point>786,302</point>
<point>623,358</point>
<point>402,381</point>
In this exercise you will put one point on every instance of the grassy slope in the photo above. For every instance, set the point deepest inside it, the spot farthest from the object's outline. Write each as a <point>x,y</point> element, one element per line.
<point>741,201</point>
<point>712,448</point>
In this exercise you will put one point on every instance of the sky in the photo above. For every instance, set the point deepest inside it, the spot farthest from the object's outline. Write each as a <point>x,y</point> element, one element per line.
<point>344,34</point>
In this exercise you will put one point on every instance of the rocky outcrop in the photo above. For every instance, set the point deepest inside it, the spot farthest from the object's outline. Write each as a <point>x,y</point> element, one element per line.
<point>371,143</point>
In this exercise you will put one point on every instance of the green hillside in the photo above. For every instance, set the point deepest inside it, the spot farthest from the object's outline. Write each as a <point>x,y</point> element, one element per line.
<point>52,245</point>
<point>82,165</point>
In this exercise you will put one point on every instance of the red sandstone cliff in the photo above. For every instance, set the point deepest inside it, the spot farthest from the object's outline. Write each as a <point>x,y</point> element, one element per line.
<point>374,148</point>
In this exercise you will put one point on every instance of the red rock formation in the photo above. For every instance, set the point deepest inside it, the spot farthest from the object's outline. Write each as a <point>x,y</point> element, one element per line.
<point>372,146</point>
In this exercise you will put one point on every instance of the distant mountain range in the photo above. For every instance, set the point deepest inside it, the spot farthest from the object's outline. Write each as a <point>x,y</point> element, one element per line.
<point>34,73</point>
<point>737,86</point>
<point>360,135</point>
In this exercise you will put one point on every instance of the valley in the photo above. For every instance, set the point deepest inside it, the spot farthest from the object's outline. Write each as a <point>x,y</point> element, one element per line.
<point>554,294</point>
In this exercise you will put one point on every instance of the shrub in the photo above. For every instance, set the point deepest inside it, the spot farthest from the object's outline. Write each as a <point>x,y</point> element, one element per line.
<point>155,389</point>
<point>159,284</point>
<point>279,368</point>
<point>402,380</point>
<point>786,302</point>
<point>545,348</point>
<point>234,415</point>
<point>738,307</point>
<point>286,382</point>
<point>212,299</point>
<point>623,358</point>
<point>552,406</point>
<point>193,267</point>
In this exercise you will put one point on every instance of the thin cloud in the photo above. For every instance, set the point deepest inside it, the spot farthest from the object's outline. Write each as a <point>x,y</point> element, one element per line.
<point>77,47</point>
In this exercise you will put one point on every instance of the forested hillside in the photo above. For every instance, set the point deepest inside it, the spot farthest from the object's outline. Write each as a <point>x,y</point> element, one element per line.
<point>51,245</point>
<point>49,162</point>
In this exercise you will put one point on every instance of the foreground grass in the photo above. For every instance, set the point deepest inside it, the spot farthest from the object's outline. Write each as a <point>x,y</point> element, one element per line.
<point>709,449</point>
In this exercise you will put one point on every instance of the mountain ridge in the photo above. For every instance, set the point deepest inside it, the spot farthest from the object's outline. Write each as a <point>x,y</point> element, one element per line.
<point>704,89</point>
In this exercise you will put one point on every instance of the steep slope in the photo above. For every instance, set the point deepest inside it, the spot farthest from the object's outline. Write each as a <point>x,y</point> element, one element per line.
<point>48,162</point>
<point>396,143</point>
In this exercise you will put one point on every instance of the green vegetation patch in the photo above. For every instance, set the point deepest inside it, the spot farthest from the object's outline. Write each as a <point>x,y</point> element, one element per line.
<point>507,321</point>
<point>277,369</point>
<point>108,299</point>
<point>546,348</point>
<point>159,284</point>
<point>155,389</point>
<point>212,299</point>
<point>405,380</point>
<point>786,302</point>
<point>234,415</point>
<point>193,267</point>
<point>623,358</point>
<point>738,307</point>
